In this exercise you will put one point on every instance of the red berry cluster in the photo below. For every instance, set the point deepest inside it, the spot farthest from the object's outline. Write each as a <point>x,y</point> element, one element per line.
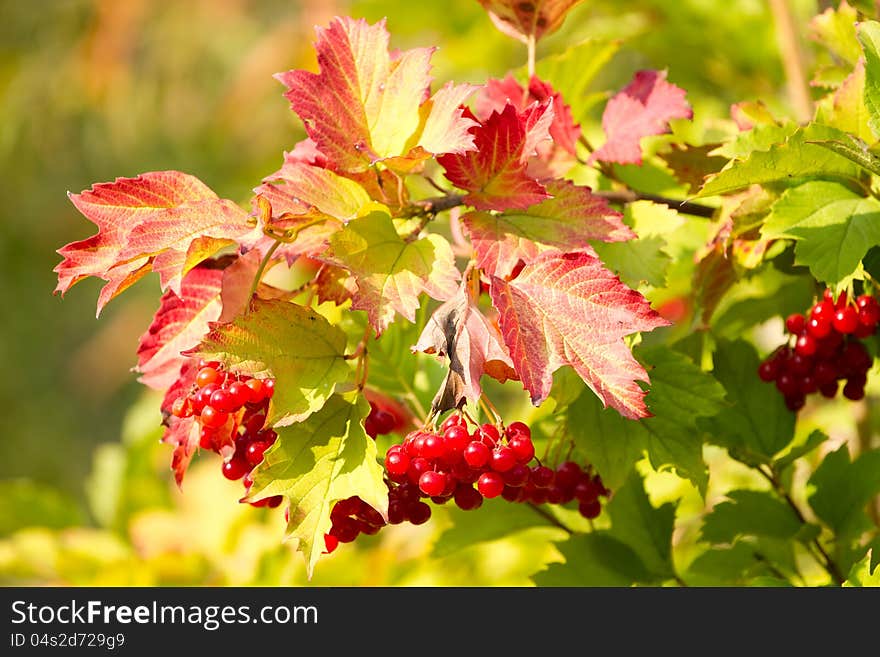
<point>231,410</point>
<point>447,465</point>
<point>825,347</point>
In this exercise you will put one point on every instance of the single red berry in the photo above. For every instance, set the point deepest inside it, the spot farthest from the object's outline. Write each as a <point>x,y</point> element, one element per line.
<point>822,309</point>
<point>476,454</point>
<point>235,468</point>
<point>542,477</point>
<point>456,439</point>
<point>203,396</point>
<point>590,509</point>
<point>433,447</point>
<point>824,373</point>
<point>846,320</point>
<point>467,498</point>
<point>370,427</point>
<point>206,438</point>
<point>502,459</point>
<point>490,484</point>
<point>453,420</point>
<point>864,330</point>
<point>828,390</point>
<point>417,466</point>
<point>522,447</point>
<point>808,385</point>
<point>768,370</point>
<point>555,494</point>
<point>819,326</point>
<point>239,393</point>
<point>396,513</point>
<point>268,388</point>
<point>800,364</point>
<point>806,344</point>
<point>519,428</point>
<point>182,407</point>
<point>222,400</point>
<point>828,295</point>
<point>346,530</point>
<point>517,476</point>
<point>256,393</point>
<point>211,417</point>
<point>787,384</point>
<point>255,450</point>
<point>795,402</point>
<point>488,434</point>
<point>207,375</point>
<point>432,483</point>
<point>567,474</point>
<point>418,513</point>
<point>795,323</point>
<point>384,420</point>
<point>397,463</point>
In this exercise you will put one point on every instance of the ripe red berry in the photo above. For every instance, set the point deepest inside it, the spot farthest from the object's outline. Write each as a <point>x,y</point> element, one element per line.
<point>806,344</point>
<point>846,320</point>
<point>456,439</point>
<point>467,498</point>
<point>567,474</point>
<point>213,418</point>
<point>452,421</point>
<point>255,450</point>
<point>819,326</point>
<point>330,543</point>
<point>433,447</point>
<point>417,466</point>
<point>222,400</point>
<point>502,459</point>
<point>590,509</point>
<point>239,393</point>
<point>476,454</point>
<point>522,447</point>
<point>768,370</point>
<point>822,309</point>
<point>268,388</point>
<point>488,434</point>
<point>800,364</point>
<point>795,323</point>
<point>787,384</point>
<point>256,393</point>
<point>542,477</point>
<point>235,468</point>
<point>517,476</point>
<point>432,483</point>
<point>795,402</point>
<point>828,390</point>
<point>490,484</point>
<point>182,407</point>
<point>853,390</point>
<point>397,463</point>
<point>418,513</point>
<point>519,428</point>
<point>207,375</point>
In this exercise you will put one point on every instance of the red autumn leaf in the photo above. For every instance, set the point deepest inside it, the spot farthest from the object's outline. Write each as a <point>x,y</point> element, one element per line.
<point>179,324</point>
<point>367,104</point>
<point>532,18</point>
<point>642,109</point>
<point>459,330</point>
<point>166,221</point>
<point>568,309</point>
<point>553,158</point>
<point>565,222</point>
<point>181,433</point>
<point>495,174</point>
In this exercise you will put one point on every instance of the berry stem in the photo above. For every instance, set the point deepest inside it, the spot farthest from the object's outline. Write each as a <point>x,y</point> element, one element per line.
<point>490,410</point>
<point>551,518</point>
<point>261,269</point>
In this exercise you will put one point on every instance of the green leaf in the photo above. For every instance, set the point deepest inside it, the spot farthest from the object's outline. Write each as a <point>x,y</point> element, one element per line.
<point>595,559</point>
<point>756,425</point>
<point>760,138</point>
<point>645,529</point>
<point>750,513</point>
<point>855,150</point>
<point>845,110</point>
<point>679,394</point>
<point>301,349</point>
<point>496,519</point>
<point>727,565</point>
<point>836,30</point>
<point>815,439</point>
<point>861,575</point>
<point>834,227</point>
<point>843,490</point>
<point>391,272</point>
<point>869,36</point>
<point>314,464</point>
<point>785,163</point>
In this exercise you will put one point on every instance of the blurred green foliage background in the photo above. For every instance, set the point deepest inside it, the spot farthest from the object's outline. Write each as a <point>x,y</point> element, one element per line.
<point>95,89</point>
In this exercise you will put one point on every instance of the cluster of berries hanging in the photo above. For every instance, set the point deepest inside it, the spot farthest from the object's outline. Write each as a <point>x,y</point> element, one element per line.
<point>231,410</point>
<point>464,466</point>
<point>825,348</point>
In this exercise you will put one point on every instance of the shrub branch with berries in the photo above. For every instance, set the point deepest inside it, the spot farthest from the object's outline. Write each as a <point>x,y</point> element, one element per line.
<point>430,254</point>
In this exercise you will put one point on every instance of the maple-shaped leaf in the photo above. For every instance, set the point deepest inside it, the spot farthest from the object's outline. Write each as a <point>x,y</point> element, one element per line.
<point>528,20</point>
<point>495,174</point>
<point>334,284</point>
<point>567,221</point>
<point>299,348</point>
<point>166,221</point>
<point>568,309</point>
<point>178,325</point>
<point>366,104</point>
<point>458,329</point>
<point>316,463</point>
<point>643,108</point>
<point>553,157</point>
<point>391,271</point>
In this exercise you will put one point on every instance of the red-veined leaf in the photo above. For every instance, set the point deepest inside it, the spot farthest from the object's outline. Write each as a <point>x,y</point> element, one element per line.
<point>166,221</point>
<point>554,157</point>
<point>641,109</point>
<point>495,174</point>
<point>568,309</point>
<point>179,324</point>
<point>365,104</point>
<point>566,222</point>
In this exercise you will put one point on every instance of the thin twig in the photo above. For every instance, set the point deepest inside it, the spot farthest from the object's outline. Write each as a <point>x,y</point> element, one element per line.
<point>551,518</point>
<point>530,48</point>
<point>792,59</point>
<point>262,268</point>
